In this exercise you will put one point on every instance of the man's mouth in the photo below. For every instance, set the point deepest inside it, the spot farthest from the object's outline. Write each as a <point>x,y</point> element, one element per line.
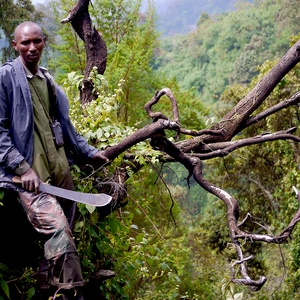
<point>33,56</point>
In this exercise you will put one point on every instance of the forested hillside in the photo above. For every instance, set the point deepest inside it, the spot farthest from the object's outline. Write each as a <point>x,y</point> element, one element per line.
<point>227,48</point>
<point>181,16</point>
<point>169,239</point>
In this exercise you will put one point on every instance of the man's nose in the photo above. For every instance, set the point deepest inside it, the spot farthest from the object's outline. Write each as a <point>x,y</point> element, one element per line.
<point>32,47</point>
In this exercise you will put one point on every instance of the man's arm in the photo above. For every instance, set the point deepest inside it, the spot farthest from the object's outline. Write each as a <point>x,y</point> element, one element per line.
<point>11,160</point>
<point>10,157</point>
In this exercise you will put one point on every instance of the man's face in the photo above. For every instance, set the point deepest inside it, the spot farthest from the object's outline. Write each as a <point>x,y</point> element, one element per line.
<point>29,42</point>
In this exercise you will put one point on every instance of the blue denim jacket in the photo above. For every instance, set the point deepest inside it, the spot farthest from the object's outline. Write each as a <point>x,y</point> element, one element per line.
<point>16,124</point>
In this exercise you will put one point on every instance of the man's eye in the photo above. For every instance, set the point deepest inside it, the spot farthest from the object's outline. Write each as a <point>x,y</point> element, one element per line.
<point>25,43</point>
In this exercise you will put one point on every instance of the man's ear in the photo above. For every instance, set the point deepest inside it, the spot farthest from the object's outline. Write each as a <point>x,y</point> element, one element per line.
<point>15,45</point>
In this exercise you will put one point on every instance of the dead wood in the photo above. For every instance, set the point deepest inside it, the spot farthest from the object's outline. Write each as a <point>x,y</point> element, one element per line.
<point>218,141</point>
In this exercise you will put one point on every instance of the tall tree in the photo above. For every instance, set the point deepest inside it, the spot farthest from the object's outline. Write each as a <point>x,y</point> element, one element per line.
<point>130,37</point>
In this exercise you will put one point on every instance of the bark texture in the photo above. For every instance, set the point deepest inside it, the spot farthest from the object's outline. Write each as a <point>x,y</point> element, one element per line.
<point>96,51</point>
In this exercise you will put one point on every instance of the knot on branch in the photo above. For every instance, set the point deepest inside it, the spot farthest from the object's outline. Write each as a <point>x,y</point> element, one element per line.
<point>159,115</point>
<point>171,124</point>
<point>254,285</point>
<point>156,98</point>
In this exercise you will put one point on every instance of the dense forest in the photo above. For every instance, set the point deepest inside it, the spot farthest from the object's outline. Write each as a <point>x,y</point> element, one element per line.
<point>227,48</point>
<point>170,241</point>
<point>181,16</point>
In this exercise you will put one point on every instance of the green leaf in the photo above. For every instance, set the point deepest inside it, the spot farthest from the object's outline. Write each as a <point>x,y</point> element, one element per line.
<point>98,245</point>
<point>164,266</point>
<point>90,208</point>
<point>99,133</point>
<point>113,224</point>
<point>31,293</point>
<point>5,288</point>
<point>78,226</point>
<point>92,232</point>
<point>238,296</point>
<point>1,194</point>
<point>139,237</point>
<point>94,217</point>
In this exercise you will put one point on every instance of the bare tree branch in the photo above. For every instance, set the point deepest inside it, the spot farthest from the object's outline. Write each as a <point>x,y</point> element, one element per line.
<point>233,121</point>
<point>255,285</point>
<point>223,149</point>
<point>205,144</point>
<point>294,100</point>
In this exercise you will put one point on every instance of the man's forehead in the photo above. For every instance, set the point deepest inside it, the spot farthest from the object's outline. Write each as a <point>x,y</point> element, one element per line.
<point>28,29</point>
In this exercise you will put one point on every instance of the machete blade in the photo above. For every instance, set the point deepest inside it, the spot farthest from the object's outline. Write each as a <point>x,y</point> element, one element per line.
<point>85,198</point>
<point>90,199</point>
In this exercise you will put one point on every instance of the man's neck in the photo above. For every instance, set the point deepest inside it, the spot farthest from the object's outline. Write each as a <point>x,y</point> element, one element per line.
<point>33,68</point>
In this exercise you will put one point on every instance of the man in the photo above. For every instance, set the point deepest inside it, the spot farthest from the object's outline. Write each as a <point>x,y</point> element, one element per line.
<point>30,103</point>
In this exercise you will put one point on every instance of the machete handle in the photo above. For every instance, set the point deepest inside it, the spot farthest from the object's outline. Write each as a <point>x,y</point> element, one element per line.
<point>17,180</point>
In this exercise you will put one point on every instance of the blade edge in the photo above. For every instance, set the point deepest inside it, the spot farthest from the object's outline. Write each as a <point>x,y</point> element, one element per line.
<point>90,199</point>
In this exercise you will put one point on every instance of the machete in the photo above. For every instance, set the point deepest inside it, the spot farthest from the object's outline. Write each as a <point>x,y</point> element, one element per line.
<point>85,198</point>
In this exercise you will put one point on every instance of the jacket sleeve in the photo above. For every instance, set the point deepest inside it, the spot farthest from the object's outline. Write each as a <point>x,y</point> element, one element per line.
<point>10,157</point>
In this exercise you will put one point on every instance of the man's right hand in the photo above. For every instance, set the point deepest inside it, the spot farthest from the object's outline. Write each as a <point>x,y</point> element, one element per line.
<point>30,181</point>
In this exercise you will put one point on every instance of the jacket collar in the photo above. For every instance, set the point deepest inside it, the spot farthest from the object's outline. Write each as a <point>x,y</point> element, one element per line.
<point>28,73</point>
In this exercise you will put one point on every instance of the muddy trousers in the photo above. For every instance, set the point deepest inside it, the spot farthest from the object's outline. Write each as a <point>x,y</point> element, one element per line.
<point>60,268</point>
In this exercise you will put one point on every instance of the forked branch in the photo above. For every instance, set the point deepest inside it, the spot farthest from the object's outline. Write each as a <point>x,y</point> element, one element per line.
<point>216,141</point>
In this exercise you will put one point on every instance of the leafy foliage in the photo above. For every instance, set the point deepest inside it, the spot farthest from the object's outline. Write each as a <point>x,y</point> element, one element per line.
<point>227,48</point>
<point>161,245</point>
<point>263,175</point>
<point>129,241</point>
<point>181,16</point>
<point>68,50</point>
